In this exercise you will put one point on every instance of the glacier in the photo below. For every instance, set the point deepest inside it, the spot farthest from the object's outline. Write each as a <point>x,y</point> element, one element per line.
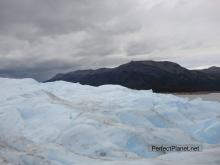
<point>62,123</point>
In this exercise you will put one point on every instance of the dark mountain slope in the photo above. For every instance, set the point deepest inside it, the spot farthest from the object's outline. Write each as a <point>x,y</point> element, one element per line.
<point>163,76</point>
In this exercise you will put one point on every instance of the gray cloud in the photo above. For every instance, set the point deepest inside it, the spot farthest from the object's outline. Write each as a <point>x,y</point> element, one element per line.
<point>39,38</point>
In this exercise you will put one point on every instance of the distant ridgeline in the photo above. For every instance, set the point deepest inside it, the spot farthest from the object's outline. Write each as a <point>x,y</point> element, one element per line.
<point>163,76</point>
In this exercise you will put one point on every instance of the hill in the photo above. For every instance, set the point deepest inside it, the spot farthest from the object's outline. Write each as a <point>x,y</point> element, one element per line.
<point>160,76</point>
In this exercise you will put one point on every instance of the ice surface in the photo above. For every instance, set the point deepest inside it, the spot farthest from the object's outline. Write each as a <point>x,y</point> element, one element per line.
<point>61,123</point>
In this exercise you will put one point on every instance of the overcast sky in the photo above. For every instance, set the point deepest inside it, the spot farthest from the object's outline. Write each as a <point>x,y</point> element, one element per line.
<point>39,38</point>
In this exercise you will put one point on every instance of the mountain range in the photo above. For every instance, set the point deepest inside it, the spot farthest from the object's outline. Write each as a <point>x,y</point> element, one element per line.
<point>160,76</point>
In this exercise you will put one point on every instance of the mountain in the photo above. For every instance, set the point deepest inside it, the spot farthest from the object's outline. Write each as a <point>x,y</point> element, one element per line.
<point>212,70</point>
<point>160,76</point>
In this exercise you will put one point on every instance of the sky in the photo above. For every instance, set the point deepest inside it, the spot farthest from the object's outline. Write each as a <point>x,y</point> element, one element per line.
<point>40,38</point>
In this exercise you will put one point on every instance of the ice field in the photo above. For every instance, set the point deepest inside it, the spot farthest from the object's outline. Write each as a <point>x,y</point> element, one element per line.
<point>61,123</point>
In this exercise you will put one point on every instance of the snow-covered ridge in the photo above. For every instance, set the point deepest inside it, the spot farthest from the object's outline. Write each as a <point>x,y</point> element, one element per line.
<point>63,123</point>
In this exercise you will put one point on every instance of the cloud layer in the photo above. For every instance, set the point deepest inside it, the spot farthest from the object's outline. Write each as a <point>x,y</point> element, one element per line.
<point>39,38</point>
